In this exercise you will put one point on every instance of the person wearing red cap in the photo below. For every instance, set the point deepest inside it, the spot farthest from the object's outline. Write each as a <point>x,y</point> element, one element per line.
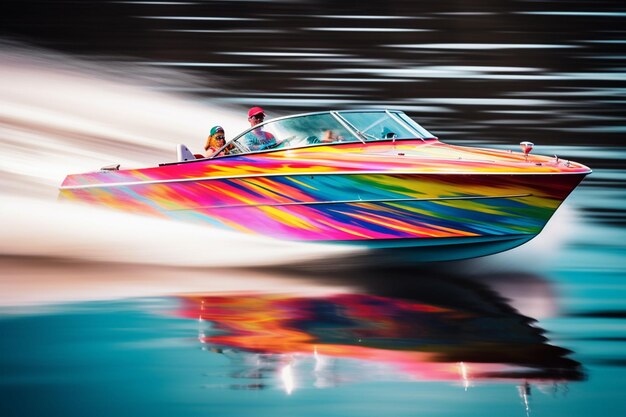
<point>258,139</point>
<point>256,115</point>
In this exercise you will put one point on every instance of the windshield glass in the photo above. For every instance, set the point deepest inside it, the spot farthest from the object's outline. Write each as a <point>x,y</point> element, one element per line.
<point>292,133</point>
<point>376,125</point>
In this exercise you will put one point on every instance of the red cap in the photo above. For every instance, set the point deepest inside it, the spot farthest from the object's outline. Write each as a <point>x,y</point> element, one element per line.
<point>254,111</point>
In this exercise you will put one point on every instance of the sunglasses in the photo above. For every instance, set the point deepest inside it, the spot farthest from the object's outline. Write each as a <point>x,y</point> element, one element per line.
<point>219,137</point>
<point>258,117</point>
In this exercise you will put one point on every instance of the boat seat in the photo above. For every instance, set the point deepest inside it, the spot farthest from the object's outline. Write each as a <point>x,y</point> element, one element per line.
<point>183,153</point>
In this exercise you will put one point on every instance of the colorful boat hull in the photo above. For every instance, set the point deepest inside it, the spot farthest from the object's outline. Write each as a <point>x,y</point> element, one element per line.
<point>410,193</point>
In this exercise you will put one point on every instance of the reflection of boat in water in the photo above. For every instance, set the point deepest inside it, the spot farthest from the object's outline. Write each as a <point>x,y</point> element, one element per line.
<point>473,336</point>
<point>373,178</point>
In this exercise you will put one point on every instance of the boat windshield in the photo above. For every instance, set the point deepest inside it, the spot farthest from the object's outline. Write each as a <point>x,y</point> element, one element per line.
<point>322,128</point>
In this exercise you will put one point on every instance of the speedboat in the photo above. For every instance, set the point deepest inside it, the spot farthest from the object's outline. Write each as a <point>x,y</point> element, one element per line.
<point>374,178</point>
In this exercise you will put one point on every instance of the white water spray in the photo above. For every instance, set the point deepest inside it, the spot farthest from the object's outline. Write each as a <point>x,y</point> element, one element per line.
<point>59,115</point>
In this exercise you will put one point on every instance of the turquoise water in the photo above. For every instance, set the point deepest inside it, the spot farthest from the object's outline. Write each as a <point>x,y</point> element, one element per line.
<point>133,357</point>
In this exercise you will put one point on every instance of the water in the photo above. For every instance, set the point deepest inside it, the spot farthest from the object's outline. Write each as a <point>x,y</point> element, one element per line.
<point>123,315</point>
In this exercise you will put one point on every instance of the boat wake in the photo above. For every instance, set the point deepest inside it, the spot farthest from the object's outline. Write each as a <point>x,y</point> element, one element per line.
<point>60,114</point>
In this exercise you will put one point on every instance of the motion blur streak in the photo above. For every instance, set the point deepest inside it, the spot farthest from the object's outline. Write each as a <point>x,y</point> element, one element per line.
<point>59,115</point>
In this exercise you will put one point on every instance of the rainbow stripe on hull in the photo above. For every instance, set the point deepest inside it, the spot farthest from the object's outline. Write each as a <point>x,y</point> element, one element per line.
<point>467,205</point>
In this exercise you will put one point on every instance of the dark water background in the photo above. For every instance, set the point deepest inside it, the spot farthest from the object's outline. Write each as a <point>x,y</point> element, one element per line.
<point>548,317</point>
